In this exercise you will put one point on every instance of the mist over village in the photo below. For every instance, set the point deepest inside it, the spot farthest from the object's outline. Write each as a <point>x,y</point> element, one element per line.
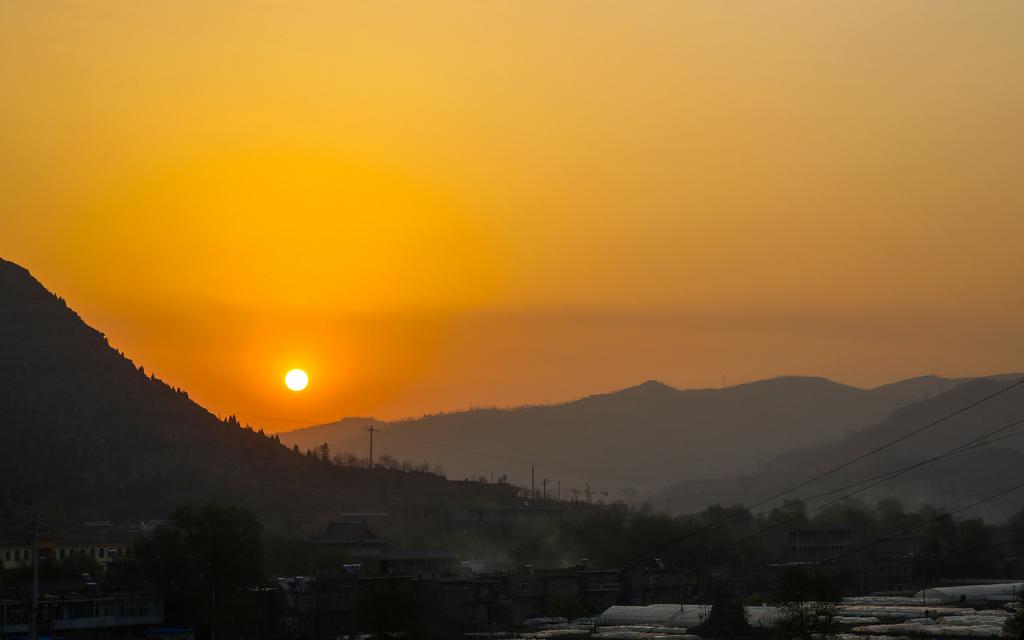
<point>511,321</point>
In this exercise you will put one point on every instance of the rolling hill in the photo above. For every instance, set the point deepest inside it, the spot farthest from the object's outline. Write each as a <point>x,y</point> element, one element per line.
<point>636,440</point>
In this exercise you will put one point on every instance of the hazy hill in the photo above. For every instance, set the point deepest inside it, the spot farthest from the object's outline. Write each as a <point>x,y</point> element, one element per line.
<point>636,439</point>
<point>953,482</point>
<point>87,435</point>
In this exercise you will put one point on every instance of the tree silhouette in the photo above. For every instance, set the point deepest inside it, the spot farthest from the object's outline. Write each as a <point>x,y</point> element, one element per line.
<point>202,558</point>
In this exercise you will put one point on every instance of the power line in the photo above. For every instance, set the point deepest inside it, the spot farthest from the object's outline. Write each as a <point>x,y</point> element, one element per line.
<point>978,442</point>
<point>848,463</point>
<point>937,518</point>
<point>886,477</point>
<point>1000,438</point>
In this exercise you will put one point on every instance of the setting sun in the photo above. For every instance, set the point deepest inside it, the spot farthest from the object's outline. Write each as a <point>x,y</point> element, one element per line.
<point>296,379</point>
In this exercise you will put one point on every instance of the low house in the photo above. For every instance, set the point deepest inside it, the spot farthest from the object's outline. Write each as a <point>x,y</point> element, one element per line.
<point>517,515</point>
<point>103,542</point>
<point>599,588</point>
<point>809,544</point>
<point>420,562</point>
<point>352,536</point>
<point>651,585</point>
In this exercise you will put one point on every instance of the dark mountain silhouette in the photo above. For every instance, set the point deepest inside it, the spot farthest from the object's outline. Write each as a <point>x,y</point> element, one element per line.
<point>952,483</point>
<point>85,434</point>
<point>636,439</point>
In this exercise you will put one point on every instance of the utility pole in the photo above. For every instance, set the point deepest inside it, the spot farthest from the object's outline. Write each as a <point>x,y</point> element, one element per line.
<point>213,609</point>
<point>533,483</point>
<point>924,583</point>
<point>34,622</point>
<point>371,430</point>
<point>544,487</point>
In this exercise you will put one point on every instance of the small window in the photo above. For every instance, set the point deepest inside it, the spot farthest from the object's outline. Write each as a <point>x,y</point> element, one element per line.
<point>7,555</point>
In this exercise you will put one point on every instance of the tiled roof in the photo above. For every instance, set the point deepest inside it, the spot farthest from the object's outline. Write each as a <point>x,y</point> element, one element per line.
<point>347,533</point>
<point>421,554</point>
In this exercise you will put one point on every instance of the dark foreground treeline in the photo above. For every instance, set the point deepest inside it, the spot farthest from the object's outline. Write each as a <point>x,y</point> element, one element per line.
<point>617,536</point>
<point>216,567</point>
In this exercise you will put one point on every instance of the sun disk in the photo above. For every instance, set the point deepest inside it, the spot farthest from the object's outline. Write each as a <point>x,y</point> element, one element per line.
<point>296,379</point>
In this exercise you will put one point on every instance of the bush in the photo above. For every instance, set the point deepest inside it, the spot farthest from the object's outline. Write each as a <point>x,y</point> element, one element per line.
<point>728,618</point>
<point>808,603</point>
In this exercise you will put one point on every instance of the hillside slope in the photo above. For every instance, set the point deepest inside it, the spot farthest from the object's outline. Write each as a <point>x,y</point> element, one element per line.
<point>952,482</point>
<point>88,435</point>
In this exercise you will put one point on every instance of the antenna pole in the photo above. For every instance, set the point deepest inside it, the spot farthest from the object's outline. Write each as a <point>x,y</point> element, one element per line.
<point>34,622</point>
<point>371,430</point>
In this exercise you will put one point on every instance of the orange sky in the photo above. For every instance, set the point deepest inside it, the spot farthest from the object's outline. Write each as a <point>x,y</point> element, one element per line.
<point>435,205</point>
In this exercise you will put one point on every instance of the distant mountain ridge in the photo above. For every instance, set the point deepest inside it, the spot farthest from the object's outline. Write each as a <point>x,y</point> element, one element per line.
<point>635,440</point>
<point>952,482</point>
<point>87,435</point>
